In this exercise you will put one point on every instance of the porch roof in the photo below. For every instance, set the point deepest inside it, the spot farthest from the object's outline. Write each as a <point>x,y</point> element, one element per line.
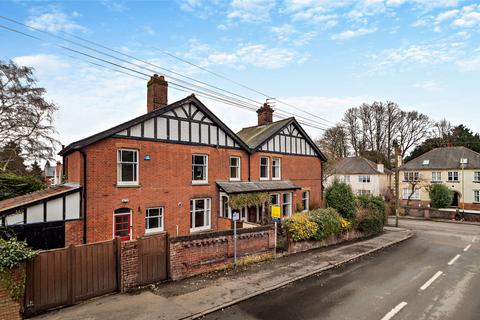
<point>231,187</point>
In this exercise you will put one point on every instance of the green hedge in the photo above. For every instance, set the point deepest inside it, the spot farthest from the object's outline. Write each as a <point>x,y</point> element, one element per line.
<point>328,222</point>
<point>370,214</point>
<point>440,196</point>
<point>340,196</point>
<point>12,185</point>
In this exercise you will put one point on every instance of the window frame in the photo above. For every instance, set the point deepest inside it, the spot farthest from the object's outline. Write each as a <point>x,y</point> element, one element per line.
<point>277,195</point>
<point>346,179</point>
<point>286,203</point>
<point>119,167</point>
<point>411,176</point>
<point>307,199</point>
<point>162,219</point>
<point>267,166</point>
<point>415,196</point>
<point>437,175</point>
<point>207,214</point>
<point>364,179</point>
<point>279,168</point>
<point>364,192</point>
<point>453,175</point>
<point>205,180</point>
<point>476,196</point>
<point>476,176</point>
<point>238,168</point>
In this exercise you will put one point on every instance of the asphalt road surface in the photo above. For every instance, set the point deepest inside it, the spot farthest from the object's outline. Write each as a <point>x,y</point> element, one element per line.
<point>434,275</point>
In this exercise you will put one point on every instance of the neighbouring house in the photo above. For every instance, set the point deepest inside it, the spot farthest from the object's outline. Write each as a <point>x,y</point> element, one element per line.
<point>456,167</point>
<point>364,176</point>
<point>52,174</point>
<point>174,169</point>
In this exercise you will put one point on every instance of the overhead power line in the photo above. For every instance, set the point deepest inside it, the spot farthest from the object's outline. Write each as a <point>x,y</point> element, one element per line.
<point>199,89</point>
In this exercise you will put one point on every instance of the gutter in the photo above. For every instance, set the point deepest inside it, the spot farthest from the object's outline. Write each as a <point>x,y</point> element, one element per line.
<point>84,195</point>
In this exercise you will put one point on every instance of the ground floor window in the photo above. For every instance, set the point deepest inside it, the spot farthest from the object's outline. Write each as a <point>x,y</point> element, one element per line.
<point>154,220</point>
<point>306,200</point>
<point>363,192</point>
<point>407,192</point>
<point>476,196</point>
<point>275,199</point>
<point>122,223</point>
<point>199,214</point>
<point>286,204</point>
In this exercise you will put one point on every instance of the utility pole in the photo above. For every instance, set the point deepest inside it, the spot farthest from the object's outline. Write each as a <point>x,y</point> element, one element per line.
<point>397,182</point>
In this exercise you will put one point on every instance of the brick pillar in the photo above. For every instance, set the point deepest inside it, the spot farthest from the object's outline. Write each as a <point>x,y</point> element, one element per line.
<point>10,309</point>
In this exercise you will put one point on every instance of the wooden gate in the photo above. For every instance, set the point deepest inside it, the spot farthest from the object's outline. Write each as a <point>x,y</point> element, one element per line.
<point>152,253</point>
<point>63,276</point>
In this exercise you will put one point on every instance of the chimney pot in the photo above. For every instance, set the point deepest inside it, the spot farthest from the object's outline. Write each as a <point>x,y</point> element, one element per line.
<point>265,114</point>
<point>157,93</point>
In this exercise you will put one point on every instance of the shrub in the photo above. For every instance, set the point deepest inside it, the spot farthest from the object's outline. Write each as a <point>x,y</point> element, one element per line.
<point>301,227</point>
<point>340,197</point>
<point>345,224</point>
<point>440,196</point>
<point>328,222</point>
<point>12,185</point>
<point>370,214</point>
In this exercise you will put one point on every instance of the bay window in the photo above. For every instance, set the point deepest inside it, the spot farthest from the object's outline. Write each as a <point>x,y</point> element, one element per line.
<point>286,204</point>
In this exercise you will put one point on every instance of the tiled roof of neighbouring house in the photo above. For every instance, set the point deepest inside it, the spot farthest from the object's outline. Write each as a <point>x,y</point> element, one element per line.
<point>12,203</point>
<point>356,165</point>
<point>444,158</point>
<point>257,135</point>
<point>257,186</point>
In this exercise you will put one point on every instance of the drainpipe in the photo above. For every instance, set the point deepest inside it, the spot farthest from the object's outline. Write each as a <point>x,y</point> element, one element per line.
<point>84,195</point>
<point>249,163</point>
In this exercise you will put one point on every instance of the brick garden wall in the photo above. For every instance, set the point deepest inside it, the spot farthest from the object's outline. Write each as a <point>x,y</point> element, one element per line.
<point>9,309</point>
<point>195,254</point>
<point>130,273</point>
<point>300,246</point>
<point>73,232</point>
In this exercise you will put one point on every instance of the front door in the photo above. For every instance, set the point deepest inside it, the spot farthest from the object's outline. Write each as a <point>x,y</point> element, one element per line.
<point>252,214</point>
<point>122,226</point>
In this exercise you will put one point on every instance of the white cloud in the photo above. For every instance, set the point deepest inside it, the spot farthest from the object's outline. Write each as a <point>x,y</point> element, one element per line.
<point>429,85</point>
<point>471,64</point>
<point>447,15</point>
<point>287,33</point>
<point>54,21</point>
<point>468,19</point>
<point>250,10</point>
<point>283,32</point>
<point>348,34</point>
<point>114,5</point>
<point>222,27</point>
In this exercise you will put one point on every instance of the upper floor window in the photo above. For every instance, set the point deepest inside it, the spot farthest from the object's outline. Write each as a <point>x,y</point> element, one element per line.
<point>199,168</point>
<point>264,168</point>
<point>234,168</point>
<point>436,176</point>
<point>411,176</point>
<point>364,179</point>
<point>276,168</point>
<point>306,200</point>
<point>199,214</point>
<point>345,179</point>
<point>127,167</point>
<point>476,176</point>
<point>453,176</point>
<point>154,220</point>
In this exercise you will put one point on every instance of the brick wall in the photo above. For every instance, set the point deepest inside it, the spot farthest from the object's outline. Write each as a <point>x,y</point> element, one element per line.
<point>300,246</point>
<point>130,272</point>
<point>191,255</point>
<point>9,309</point>
<point>73,232</point>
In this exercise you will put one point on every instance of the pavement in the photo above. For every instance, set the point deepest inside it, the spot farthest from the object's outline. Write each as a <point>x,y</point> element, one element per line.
<point>437,220</point>
<point>435,275</point>
<point>198,296</point>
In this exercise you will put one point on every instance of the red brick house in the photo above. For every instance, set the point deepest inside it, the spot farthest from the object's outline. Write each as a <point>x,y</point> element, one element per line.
<point>174,168</point>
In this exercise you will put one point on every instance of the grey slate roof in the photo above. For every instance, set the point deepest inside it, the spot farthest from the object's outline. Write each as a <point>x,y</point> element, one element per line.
<point>256,186</point>
<point>257,135</point>
<point>444,158</point>
<point>356,165</point>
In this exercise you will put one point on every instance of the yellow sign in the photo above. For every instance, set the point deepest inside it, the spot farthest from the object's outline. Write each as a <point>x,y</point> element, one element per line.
<point>275,210</point>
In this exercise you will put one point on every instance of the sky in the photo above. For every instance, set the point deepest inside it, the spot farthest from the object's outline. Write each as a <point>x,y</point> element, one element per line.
<point>321,56</point>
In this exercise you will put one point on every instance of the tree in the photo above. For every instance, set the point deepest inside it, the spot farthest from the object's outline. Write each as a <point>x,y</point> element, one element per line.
<point>26,118</point>
<point>440,196</point>
<point>334,143</point>
<point>413,128</point>
<point>11,159</point>
<point>35,171</point>
<point>340,196</point>
<point>12,185</point>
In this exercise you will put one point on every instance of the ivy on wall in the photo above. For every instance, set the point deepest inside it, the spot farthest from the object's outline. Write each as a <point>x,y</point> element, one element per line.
<point>242,200</point>
<point>12,254</point>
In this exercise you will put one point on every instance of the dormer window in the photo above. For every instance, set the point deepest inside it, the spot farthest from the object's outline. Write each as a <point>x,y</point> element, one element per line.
<point>426,162</point>
<point>463,161</point>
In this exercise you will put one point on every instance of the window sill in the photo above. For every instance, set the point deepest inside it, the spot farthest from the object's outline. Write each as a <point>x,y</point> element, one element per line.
<point>202,229</point>
<point>453,181</point>
<point>200,183</point>
<point>128,185</point>
<point>234,179</point>
<point>150,232</point>
<point>277,179</point>
<point>264,179</point>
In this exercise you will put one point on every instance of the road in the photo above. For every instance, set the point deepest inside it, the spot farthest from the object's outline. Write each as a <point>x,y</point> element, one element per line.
<point>435,275</point>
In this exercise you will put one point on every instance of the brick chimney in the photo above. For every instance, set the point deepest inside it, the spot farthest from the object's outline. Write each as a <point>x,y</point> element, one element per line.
<point>157,93</point>
<point>265,114</point>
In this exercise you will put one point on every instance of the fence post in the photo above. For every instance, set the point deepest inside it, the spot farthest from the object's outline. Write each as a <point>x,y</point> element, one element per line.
<point>118,251</point>
<point>71,295</point>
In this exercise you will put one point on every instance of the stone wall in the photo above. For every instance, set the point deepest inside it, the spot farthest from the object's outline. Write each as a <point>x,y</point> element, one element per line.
<point>300,246</point>
<point>195,254</point>
<point>129,265</point>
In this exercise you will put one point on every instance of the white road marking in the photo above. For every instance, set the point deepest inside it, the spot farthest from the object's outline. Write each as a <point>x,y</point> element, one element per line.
<point>474,238</point>
<point>394,311</point>
<point>467,247</point>
<point>430,281</point>
<point>453,260</point>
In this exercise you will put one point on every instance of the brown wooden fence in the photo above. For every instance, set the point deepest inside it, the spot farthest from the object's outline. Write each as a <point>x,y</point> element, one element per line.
<point>63,276</point>
<point>152,253</point>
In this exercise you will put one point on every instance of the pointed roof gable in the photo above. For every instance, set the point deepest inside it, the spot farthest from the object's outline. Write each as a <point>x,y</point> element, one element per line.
<point>255,137</point>
<point>77,145</point>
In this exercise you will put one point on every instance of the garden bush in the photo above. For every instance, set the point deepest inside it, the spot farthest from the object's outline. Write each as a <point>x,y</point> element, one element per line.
<point>340,197</point>
<point>372,202</point>
<point>440,196</point>
<point>328,222</point>
<point>301,227</point>
<point>370,214</point>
